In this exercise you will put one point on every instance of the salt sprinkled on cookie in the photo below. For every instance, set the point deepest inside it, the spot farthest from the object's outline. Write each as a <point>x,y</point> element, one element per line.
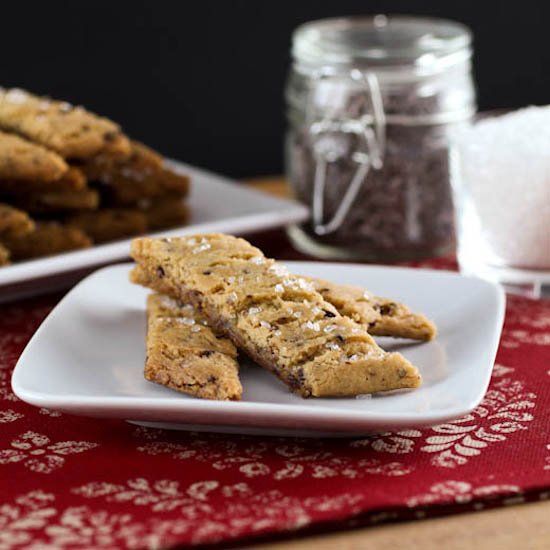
<point>279,270</point>
<point>186,321</point>
<point>202,248</point>
<point>312,325</point>
<point>168,302</point>
<point>17,96</point>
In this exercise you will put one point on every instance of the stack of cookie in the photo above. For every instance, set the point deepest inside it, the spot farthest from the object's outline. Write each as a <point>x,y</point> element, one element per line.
<point>216,294</point>
<point>69,179</point>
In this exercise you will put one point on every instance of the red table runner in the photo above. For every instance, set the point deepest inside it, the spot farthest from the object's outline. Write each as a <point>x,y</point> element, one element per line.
<point>76,482</point>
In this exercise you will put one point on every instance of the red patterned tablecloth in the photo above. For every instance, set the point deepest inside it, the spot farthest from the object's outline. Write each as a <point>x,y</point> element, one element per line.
<point>76,482</point>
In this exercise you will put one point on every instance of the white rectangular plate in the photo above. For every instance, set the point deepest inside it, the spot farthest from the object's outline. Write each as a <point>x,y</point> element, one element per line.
<point>87,358</point>
<point>216,204</point>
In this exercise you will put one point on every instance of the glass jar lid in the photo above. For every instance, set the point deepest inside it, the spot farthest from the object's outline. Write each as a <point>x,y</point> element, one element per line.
<point>423,44</point>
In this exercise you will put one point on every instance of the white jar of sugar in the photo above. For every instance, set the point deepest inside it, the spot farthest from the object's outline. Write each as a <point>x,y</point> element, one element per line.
<point>501,182</point>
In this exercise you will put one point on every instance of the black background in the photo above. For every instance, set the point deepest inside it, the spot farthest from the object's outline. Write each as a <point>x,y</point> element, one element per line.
<point>203,80</point>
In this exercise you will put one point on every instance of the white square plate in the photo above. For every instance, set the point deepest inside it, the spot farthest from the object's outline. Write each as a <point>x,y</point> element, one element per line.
<point>87,358</point>
<point>216,204</point>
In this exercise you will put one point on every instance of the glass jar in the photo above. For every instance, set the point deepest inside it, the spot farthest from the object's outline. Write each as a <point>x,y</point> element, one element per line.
<point>371,104</point>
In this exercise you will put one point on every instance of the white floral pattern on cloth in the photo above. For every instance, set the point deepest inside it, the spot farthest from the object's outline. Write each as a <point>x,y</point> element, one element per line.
<point>6,393</point>
<point>36,516</point>
<point>513,338</point>
<point>297,460</point>
<point>49,412</point>
<point>527,323</point>
<point>401,442</point>
<point>459,492</point>
<point>9,415</point>
<point>38,454</point>
<point>507,408</point>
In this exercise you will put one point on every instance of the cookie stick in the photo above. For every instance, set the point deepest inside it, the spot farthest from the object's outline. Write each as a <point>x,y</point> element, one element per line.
<point>45,239</point>
<point>109,224</point>
<point>72,132</point>
<point>4,255</point>
<point>44,202</point>
<point>22,160</point>
<point>14,222</point>
<point>278,319</point>
<point>183,353</point>
<point>379,316</point>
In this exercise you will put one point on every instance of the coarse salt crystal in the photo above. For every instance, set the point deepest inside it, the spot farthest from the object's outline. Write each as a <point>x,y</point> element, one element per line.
<point>329,328</point>
<point>279,288</point>
<point>258,260</point>
<point>312,325</point>
<point>202,248</point>
<point>279,269</point>
<point>231,279</point>
<point>354,357</point>
<point>265,324</point>
<point>304,285</point>
<point>232,297</point>
<point>297,314</point>
<point>277,332</point>
<point>316,310</point>
<point>170,303</point>
<point>332,345</point>
<point>254,310</point>
<point>187,321</point>
<point>16,96</point>
<point>195,328</point>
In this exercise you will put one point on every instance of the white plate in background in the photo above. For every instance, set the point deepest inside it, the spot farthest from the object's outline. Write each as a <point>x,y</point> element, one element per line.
<point>87,358</point>
<point>216,204</point>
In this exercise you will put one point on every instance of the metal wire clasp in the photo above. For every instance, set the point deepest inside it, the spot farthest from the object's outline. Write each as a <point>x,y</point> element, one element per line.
<point>371,127</point>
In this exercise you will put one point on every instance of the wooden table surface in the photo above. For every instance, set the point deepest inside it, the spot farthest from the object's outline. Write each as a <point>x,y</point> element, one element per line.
<point>523,526</point>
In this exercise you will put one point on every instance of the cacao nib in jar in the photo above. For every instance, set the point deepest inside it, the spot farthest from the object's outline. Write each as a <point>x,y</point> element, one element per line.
<point>367,146</point>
